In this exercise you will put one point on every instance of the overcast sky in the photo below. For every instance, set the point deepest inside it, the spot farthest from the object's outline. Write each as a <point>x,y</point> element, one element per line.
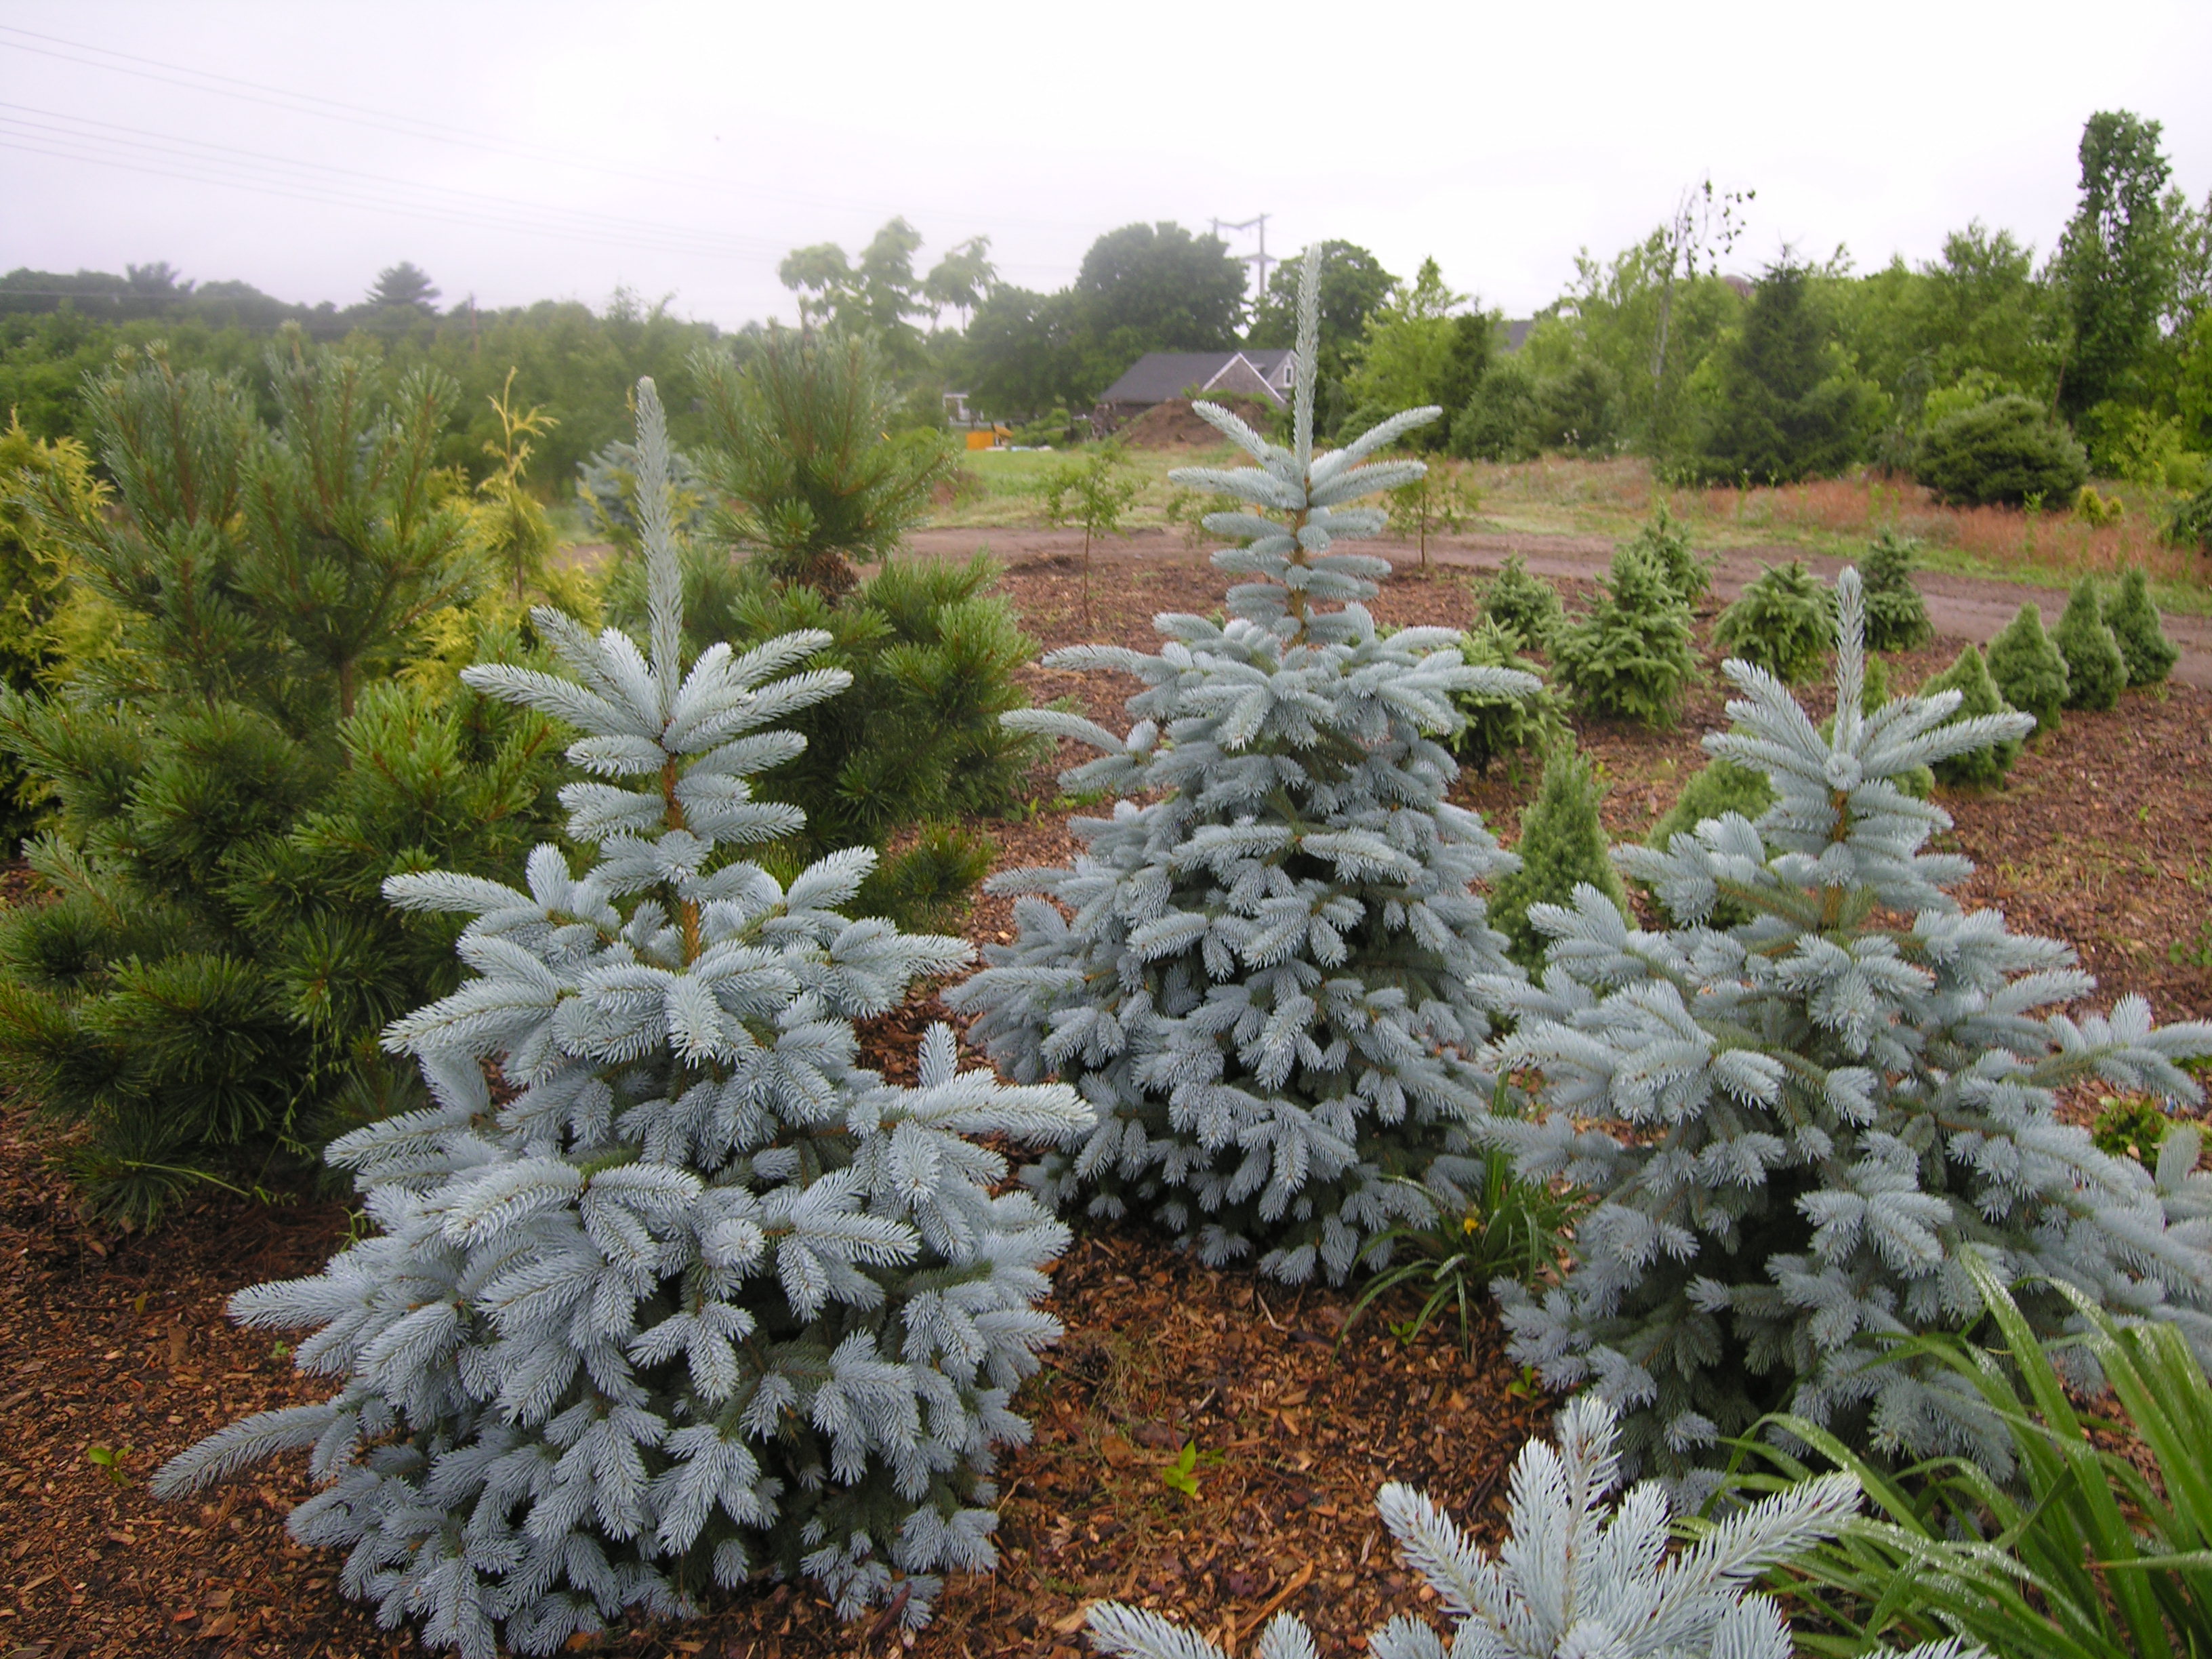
<point>557,150</point>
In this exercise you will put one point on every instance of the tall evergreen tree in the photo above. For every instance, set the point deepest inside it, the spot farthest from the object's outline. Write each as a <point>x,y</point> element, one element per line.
<point>704,1297</point>
<point>1826,1106</point>
<point>1261,976</point>
<point>2115,259</point>
<point>1787,406</point>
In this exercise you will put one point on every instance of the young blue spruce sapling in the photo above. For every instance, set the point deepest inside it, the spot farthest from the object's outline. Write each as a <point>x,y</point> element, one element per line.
<point>1800,1129</point>
<point>704,1297</point>
<point>1259,970</point>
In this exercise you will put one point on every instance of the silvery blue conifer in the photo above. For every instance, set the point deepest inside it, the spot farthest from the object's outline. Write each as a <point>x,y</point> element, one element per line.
<point>1258,971</point>
<point>1797,1128</point>
<point>1576,1578</point>
<point>703,1296</point>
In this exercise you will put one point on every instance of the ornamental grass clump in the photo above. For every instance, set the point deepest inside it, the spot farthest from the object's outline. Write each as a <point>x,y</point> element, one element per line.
<point>1825,1108</point>
<point>1782,622</point>
<point>702,1296</point>
<point>1630,658</point>
<point>2134,623</point>
<point>2030,674</point>
<point>1259,968</point>
<point>2096,673</point>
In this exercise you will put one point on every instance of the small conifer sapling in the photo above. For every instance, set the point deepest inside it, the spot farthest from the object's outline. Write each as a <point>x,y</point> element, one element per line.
<point>1782,622</point>
<point>2134,623</point>
<point>2096,671</point>
<point>1258,968</point>
<point>1527,605</point>
<point>1631,657</point>
<point>1977,769</point>
<point>1503,723</point>
<point>2029,671</point>
<point>1562,848</point>
<point>1897,617</point>
<point>704,1297</point>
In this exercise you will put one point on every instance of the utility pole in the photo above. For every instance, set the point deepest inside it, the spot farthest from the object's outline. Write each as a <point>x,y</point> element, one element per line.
<point>1259,261</point>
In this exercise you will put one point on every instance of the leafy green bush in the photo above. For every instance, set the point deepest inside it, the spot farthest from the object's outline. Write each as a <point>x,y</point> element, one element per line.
<point>2029,671</point>
<point>1563,847</point>
<point>1977,769</point>
<point>1782,622</point>
<point>1630,657</point>
<point>2190,525</point>
<point>2009,449</point>
<point>1897,617</point>
<point>1497,724</point>
<point>234,779</point>
<point>2096,673</point>
<point>916,740</point>
<point>2134,623</point>
<point>1528,606</point>
<point>2098,1547</point>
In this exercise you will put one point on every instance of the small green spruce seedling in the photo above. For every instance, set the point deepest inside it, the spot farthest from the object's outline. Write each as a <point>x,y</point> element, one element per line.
<point>1897,617</point>
<point>1630,658</point>
<point>2096,673</point>
<point>1498,723</point>
<point>1092,493</point>
<point>1666,542</point>
<point>1782,622</point>
<point>2029,671</point>
<point>1562,849</point>
<point>1977,768</point>
<point>2134,623</point>
<point>1527,605</point>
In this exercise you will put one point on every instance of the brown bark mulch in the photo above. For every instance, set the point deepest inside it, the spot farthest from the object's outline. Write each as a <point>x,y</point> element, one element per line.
<point>114,1354</point>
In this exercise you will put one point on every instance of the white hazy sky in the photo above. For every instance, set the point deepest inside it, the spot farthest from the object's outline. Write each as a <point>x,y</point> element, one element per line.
<point>558,149</point>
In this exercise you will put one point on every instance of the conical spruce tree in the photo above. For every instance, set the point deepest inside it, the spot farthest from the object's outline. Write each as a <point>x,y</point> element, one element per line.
<point>1527,605</point>
<point>1827,1107</point>
<point>1631,657</point>
<point>1977,769</point>
<point>1258,971</point>
<point>2096,671</point>
<point>1503,723</point>
<point>1782,622</point>
<point>1897,617</point>
<point>1562,848</point>
<point>704,1297</point>
<point>2134,623</point>
<point>2030,674</point>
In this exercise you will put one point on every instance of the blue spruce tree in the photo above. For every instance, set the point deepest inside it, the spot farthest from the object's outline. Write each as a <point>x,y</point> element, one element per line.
<point>1259,976</point>
<point>704,1297</point>
<point>1799,1127</point>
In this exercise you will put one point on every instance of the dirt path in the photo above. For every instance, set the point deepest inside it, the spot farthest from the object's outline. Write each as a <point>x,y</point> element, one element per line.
<point>1972,607</point>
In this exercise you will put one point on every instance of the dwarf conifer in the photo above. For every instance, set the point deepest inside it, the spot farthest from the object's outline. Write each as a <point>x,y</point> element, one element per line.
<point>1528,606</point>
<point>2134,623</point>
<point>1563,847</point>
<point>1631,657</point>
<point>1897,617</point>
<point>1666,542</point>
<point>1258,968</point>
<point>2030,674</point>
<point>1503,722</point>
<point>704,1295</point>
<point>2096,671</point>
<point>1782,622</point>
<point>1977,769</point>
<point>1824,1109</point>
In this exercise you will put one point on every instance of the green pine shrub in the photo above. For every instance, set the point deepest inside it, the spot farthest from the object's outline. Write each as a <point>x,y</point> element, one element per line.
<point>916,741</point>
<point>2096,671</point>
<point>1897,617</point>
<point>1528,606</point>
<point>2031,674</point>
<point>1631,657</point>
<point>234,780</point>
<point>1563,847</point>
<point>1666,542</point>
<point>1782,622</point>
<point>2134,623</point>
<point>1977,769</point>
<point>1498,724</point>
<point>2009,449</point>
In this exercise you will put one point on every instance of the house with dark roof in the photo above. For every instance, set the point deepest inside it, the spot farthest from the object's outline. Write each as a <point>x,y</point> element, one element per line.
<point>1255,371</point>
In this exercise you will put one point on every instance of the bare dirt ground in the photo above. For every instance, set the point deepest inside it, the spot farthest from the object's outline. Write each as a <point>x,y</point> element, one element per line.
<point>1964,607</point>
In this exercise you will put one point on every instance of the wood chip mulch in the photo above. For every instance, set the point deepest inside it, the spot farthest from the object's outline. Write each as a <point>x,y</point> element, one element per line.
<point>114,1354</point>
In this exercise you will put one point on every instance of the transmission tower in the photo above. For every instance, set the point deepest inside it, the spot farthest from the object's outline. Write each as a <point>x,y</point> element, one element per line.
<point>1259,261</point>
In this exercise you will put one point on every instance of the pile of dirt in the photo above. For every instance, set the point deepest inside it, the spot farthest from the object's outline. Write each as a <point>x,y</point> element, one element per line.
<point>1176,425</point>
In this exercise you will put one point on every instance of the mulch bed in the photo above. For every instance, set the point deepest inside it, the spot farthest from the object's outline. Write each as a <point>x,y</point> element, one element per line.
<point>117,1345</point>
